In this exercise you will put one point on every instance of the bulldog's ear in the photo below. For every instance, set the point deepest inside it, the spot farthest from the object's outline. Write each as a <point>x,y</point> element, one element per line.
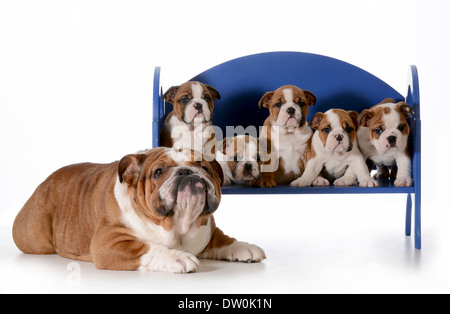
<point>265,101</point>
<point>315,121</point>
<point>213,92</point>
<point>169,96</point>
<point>365,117</point>
<point>405,109</point>
<point>130,168</point>
<point>310,98</point>
<point>354,115</point>
<point>217,171</point>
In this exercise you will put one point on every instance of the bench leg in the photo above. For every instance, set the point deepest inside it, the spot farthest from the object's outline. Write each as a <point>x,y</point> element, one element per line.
<point>418,224</point>
<point>408,215</point>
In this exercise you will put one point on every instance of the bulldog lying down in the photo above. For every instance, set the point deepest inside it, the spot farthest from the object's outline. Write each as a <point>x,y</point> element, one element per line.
<point>150,212</point>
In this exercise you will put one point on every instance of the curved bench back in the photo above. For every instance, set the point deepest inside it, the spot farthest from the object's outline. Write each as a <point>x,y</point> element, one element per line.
<point>242,83</point>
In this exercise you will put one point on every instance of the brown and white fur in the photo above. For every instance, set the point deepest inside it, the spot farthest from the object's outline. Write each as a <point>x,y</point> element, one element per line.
<point>189,125</point>
<point>287,133</point>
<point>335,157</point>
<point>240,159</point>
<point>383,138</point>
<point>150,211</point>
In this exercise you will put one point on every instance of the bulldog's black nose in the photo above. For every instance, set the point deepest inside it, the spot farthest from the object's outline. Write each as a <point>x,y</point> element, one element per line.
<point>290,111</point>
<point>392,139</point>
<point>198,106</point>
<point>339,138</point>
<point>184,172</point>
<point>248,167</point>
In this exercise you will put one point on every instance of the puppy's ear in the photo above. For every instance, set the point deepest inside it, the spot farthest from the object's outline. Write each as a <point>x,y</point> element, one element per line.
<point>213,92</point>
<point>265,101</point>
<point>365,117</point>
<point>405,109</point>
<point>169,96</point>
<point>315,121</point>
<point>354,115</point>
<point>217,171</point>
<point>310,97</point>
<point>224,144</point>
<point>129,169</point>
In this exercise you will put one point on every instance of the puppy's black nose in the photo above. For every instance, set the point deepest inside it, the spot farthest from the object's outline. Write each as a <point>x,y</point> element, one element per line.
<point>290,111</point>
<point>184,172</point>
<point>339,138</point>
<point>198,106</point>
<point>392,139</point>
<point>248,167</point>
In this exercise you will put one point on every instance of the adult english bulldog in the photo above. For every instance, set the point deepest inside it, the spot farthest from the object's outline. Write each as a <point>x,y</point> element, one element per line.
<point>150,211</point>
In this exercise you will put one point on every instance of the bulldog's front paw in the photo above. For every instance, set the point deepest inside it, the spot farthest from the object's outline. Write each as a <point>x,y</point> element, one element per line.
<point>163,259</point>
<point>265,182</point>
<point>300,183</point>
<point>368,183</point>
<point>321,181</point>
<point>403,182</point>
<point>242,252</point>
<point>345,181</point>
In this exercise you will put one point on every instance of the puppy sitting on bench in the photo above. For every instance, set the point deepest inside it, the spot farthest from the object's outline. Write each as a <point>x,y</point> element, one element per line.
<point>335,157</point>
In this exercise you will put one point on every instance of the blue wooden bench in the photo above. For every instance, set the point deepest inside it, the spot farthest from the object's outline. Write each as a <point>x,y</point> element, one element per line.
<point>337,84</point>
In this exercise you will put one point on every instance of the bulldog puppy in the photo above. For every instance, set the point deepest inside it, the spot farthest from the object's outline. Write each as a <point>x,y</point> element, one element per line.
<point>189,124</point>
<point>240,160</point>
<point>287,133</point>
<point>150,212</point>
<point>335,156</point>
<point>383,138</point>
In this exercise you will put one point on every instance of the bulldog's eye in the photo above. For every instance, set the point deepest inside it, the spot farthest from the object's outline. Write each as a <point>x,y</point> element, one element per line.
<point>278,105</point>
<point>378,131</point>
<point>158,173</point>
<point>207,98</point>
<point>184,100</point>
<point>349,129</point>
<point>326,130</point>
<point>401,127</point>
<point>302,104</point>
<point>206,169</point>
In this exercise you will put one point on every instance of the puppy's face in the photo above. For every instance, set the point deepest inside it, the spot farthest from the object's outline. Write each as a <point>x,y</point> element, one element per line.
<point>171,189</point>
<point>288,105</point>
<point>192,102</point>
<point>336,129</point>
<point>388,126</point>
<point>242,157</point>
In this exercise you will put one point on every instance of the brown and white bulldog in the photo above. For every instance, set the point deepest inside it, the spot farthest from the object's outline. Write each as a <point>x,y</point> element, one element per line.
<point>335,157</point>
<point>383,138</point>
<point>287,133</point>
<point>189,124</point>
<point>150,211</point>
<point>240,159</point>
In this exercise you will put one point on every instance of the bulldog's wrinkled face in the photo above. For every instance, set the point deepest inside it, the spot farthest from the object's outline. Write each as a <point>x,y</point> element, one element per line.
<point>171,189</point>
<point>388,125</point>
<point>193,102</point>
<point>242,157</point>
<point>288,105</point>
<point>336,129</point>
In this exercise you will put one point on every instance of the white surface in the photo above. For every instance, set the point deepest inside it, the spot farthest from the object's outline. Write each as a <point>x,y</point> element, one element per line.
<point>76,85</point>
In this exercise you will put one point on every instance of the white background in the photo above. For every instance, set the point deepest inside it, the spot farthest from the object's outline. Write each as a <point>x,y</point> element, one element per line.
<point>76,85</point>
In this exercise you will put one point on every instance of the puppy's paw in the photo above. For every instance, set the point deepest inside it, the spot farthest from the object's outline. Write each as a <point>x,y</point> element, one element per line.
<point>404,181</point>
<point>300,183</point>
<point>265,183</point>
<point>345,181</point>
<point>162,259</point>
<point>320,181</point>
<point>368,183</point>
